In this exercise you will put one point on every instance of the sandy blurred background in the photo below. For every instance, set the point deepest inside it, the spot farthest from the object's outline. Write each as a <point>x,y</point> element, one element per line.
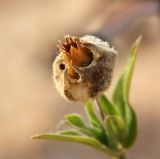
<point>29,102</point>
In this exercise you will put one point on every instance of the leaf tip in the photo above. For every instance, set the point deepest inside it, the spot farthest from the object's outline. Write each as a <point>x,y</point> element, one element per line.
<point>40,136</point>
<point>35,137</point>
<point>138,40</point>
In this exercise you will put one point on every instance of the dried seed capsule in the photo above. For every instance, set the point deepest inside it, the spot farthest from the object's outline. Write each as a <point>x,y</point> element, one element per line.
<point>83,69</point>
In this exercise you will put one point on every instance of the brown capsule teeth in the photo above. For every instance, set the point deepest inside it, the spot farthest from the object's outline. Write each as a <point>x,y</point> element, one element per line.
<point>70,40</point>
<point>65,44</point>
<point>59,42</point>
<point>77,43</point>
<point>58,46</point>
<point>67,40</point>
<point>74,39</point>
<point>61,45</point>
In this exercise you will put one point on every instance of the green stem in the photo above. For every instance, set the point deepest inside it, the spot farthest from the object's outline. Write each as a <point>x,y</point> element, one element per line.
<point>120,157</point>
<point>123,156</point>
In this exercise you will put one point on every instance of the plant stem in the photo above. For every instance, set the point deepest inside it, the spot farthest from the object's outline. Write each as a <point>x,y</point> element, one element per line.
<point>100,110</point>
<point>120,157</point>
<point>123,156</point>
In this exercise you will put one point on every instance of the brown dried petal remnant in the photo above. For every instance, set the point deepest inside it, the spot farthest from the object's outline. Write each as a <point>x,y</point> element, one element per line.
<point>75,53</point>
<point>83,68</point>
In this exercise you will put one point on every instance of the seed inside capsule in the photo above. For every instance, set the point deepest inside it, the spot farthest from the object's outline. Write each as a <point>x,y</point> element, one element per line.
<point>75,53</point>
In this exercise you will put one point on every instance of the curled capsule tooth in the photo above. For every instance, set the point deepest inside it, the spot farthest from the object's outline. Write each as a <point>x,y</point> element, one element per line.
<point>79,46</point>
<point>58,46</point>
<point>71,72</point>
<point>67,40</point>
<point>70,40</point>
<point>67,36</point>
<point>68,59</point>
<point>77,69</point>
<point>60,42</point>
<point>77,59</point>
<point>75,39</point>
<point>63,48</point>
<point>73,51</point>
<point>65,44</point>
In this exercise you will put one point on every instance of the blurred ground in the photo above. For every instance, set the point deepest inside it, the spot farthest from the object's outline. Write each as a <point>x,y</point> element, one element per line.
<point>29,102</point>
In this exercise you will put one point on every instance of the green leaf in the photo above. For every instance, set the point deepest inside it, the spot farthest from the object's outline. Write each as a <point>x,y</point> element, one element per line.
<point>129,68</point>
<point>119,123</point>
<point>115,129</point>
<point>97,127</point>
<point>121,95</point>
<point>75,120</point>
<point>92,142</point>
<point>99,134</point>
<point>111,133</point>
<point>68,132</point>
<point>121,91</point>
<point>106,105</point>
<point>117,96</point>
<point>93,118</point>
<point>131,127</point>
<point>91,131</point>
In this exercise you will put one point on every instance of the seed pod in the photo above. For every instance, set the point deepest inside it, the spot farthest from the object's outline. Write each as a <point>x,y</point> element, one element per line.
<point>83,69</point>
